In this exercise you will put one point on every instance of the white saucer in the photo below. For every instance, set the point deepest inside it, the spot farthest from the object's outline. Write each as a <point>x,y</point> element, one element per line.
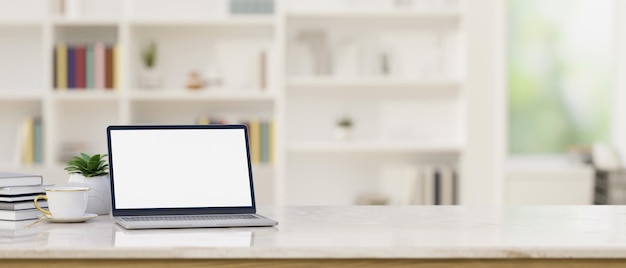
<point>85,217</point>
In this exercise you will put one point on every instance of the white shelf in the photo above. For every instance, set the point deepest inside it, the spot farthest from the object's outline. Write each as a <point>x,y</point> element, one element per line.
<point>375,14</point>
<point>244,21</point>
<point>371,147</point>
<point>20,22</point>
<point>201,95</point>
<point>85,22</point>
<point>86,95</point>
<point>368,82</point>
<point>20,95</point>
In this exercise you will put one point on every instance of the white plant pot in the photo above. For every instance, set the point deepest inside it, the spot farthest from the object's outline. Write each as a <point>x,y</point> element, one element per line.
<point>150,78</point>
<point>343,133</point>
<point>99,195</point>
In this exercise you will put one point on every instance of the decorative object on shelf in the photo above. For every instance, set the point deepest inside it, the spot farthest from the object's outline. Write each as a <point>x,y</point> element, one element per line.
<point>150,76</point>
<point>317,42</point>
<point>213,76</point>
<point>249,7</point>
<point>93,172</point>
<point>343,130</point>
<point>72,8</point>
<point>194,81</point>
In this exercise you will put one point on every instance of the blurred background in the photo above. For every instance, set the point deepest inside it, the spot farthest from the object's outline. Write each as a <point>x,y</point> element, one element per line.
<point>368,102</point>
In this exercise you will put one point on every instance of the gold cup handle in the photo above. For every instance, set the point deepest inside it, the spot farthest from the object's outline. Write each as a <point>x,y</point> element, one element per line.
<point>44,197</point>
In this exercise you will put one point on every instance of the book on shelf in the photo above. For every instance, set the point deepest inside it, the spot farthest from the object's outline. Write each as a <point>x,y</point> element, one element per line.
<point>108,67</point>
<point>263,70</point>
<point>254,131</point>
<point>85,66</point>
<point>61,66</point>
<point>37,140</point>
<point>17,179</point>
<point>21,205</point>
<point>90,68</point>
<point>447,185</point>
<point>115,66</point>
<point>29,145</point>
<point>79,66</point>
<point>264,139</point>
<point>71,67</point>
<point>99,68</point>
<point>260,136</point>
<point>438,185</point>
<point>18,215</point>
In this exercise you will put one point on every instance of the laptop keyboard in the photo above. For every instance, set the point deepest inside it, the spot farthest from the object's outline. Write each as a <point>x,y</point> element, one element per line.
<point>190,217</point>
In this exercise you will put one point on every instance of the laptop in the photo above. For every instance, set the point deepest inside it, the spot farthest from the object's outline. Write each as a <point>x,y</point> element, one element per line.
<point>182,176</point>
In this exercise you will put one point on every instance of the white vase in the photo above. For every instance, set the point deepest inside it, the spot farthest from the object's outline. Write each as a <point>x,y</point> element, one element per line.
<point>343,133</point>
<point>99,195</point>
<point>150,78</point>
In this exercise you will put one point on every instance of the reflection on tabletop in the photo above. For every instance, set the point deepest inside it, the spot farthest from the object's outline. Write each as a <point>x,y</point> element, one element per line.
<point>101,232</point>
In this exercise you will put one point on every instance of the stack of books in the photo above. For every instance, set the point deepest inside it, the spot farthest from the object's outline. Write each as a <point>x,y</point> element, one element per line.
<point>17,193</point>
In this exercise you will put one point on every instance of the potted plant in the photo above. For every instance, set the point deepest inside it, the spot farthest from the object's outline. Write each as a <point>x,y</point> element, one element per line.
<point>150,77</point>
<point>343,130</point>
<point>93,172</point>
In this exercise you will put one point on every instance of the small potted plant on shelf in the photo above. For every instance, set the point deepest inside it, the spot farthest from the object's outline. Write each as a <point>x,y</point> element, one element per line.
<point>343,129</point>
<point>93,172</point>
<point>150,77</point>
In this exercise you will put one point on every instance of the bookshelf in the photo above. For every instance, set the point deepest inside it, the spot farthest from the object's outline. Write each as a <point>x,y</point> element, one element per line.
<point>192,35</point>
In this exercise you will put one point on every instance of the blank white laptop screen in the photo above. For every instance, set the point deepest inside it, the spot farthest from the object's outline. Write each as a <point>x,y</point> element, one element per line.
<point>180,168</point>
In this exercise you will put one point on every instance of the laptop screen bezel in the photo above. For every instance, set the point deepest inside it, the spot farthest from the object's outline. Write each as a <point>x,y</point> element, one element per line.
<point>178,211</point>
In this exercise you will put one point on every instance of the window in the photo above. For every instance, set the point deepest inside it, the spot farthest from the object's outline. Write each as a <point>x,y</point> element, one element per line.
<point>560,71</point>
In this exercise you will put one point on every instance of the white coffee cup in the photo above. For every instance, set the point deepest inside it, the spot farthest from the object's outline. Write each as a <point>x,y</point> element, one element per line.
<point>64,201</point>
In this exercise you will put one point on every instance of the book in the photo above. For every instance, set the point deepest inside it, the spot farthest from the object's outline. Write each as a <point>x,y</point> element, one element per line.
<point>271,141</point>
<point>80,66</point>
<point>115,66</point>
<point>447,185</point>
<point>21,205</point>
<point>16,179</point>
<point>16,198</point>
<point>90,81</point>
<point>54,68</point>
<point>255,140</point>
<point>27,138</point>
<point>71,67</point>
<point>108,67</point>
<point>37,141</point>
<point>21,190</point>
<point>437,188</point>
<point>264,142</point>
<point>99,68</point>
<point>262,70</point>
<point>18,215</point>
<point>61,66</point>
<point>428,185</point>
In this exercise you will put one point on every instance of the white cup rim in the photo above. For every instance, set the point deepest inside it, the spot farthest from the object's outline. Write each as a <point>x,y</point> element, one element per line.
<point>66,189</point>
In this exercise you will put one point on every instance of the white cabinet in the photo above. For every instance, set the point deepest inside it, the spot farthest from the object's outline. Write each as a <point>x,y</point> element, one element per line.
<point>395,67</point>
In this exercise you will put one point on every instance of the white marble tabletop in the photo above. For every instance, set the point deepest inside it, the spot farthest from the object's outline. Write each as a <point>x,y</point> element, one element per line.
<point>347,232</point>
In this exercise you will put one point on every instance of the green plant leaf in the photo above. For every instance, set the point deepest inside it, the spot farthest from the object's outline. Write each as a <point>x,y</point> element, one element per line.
<point>88,166</point>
